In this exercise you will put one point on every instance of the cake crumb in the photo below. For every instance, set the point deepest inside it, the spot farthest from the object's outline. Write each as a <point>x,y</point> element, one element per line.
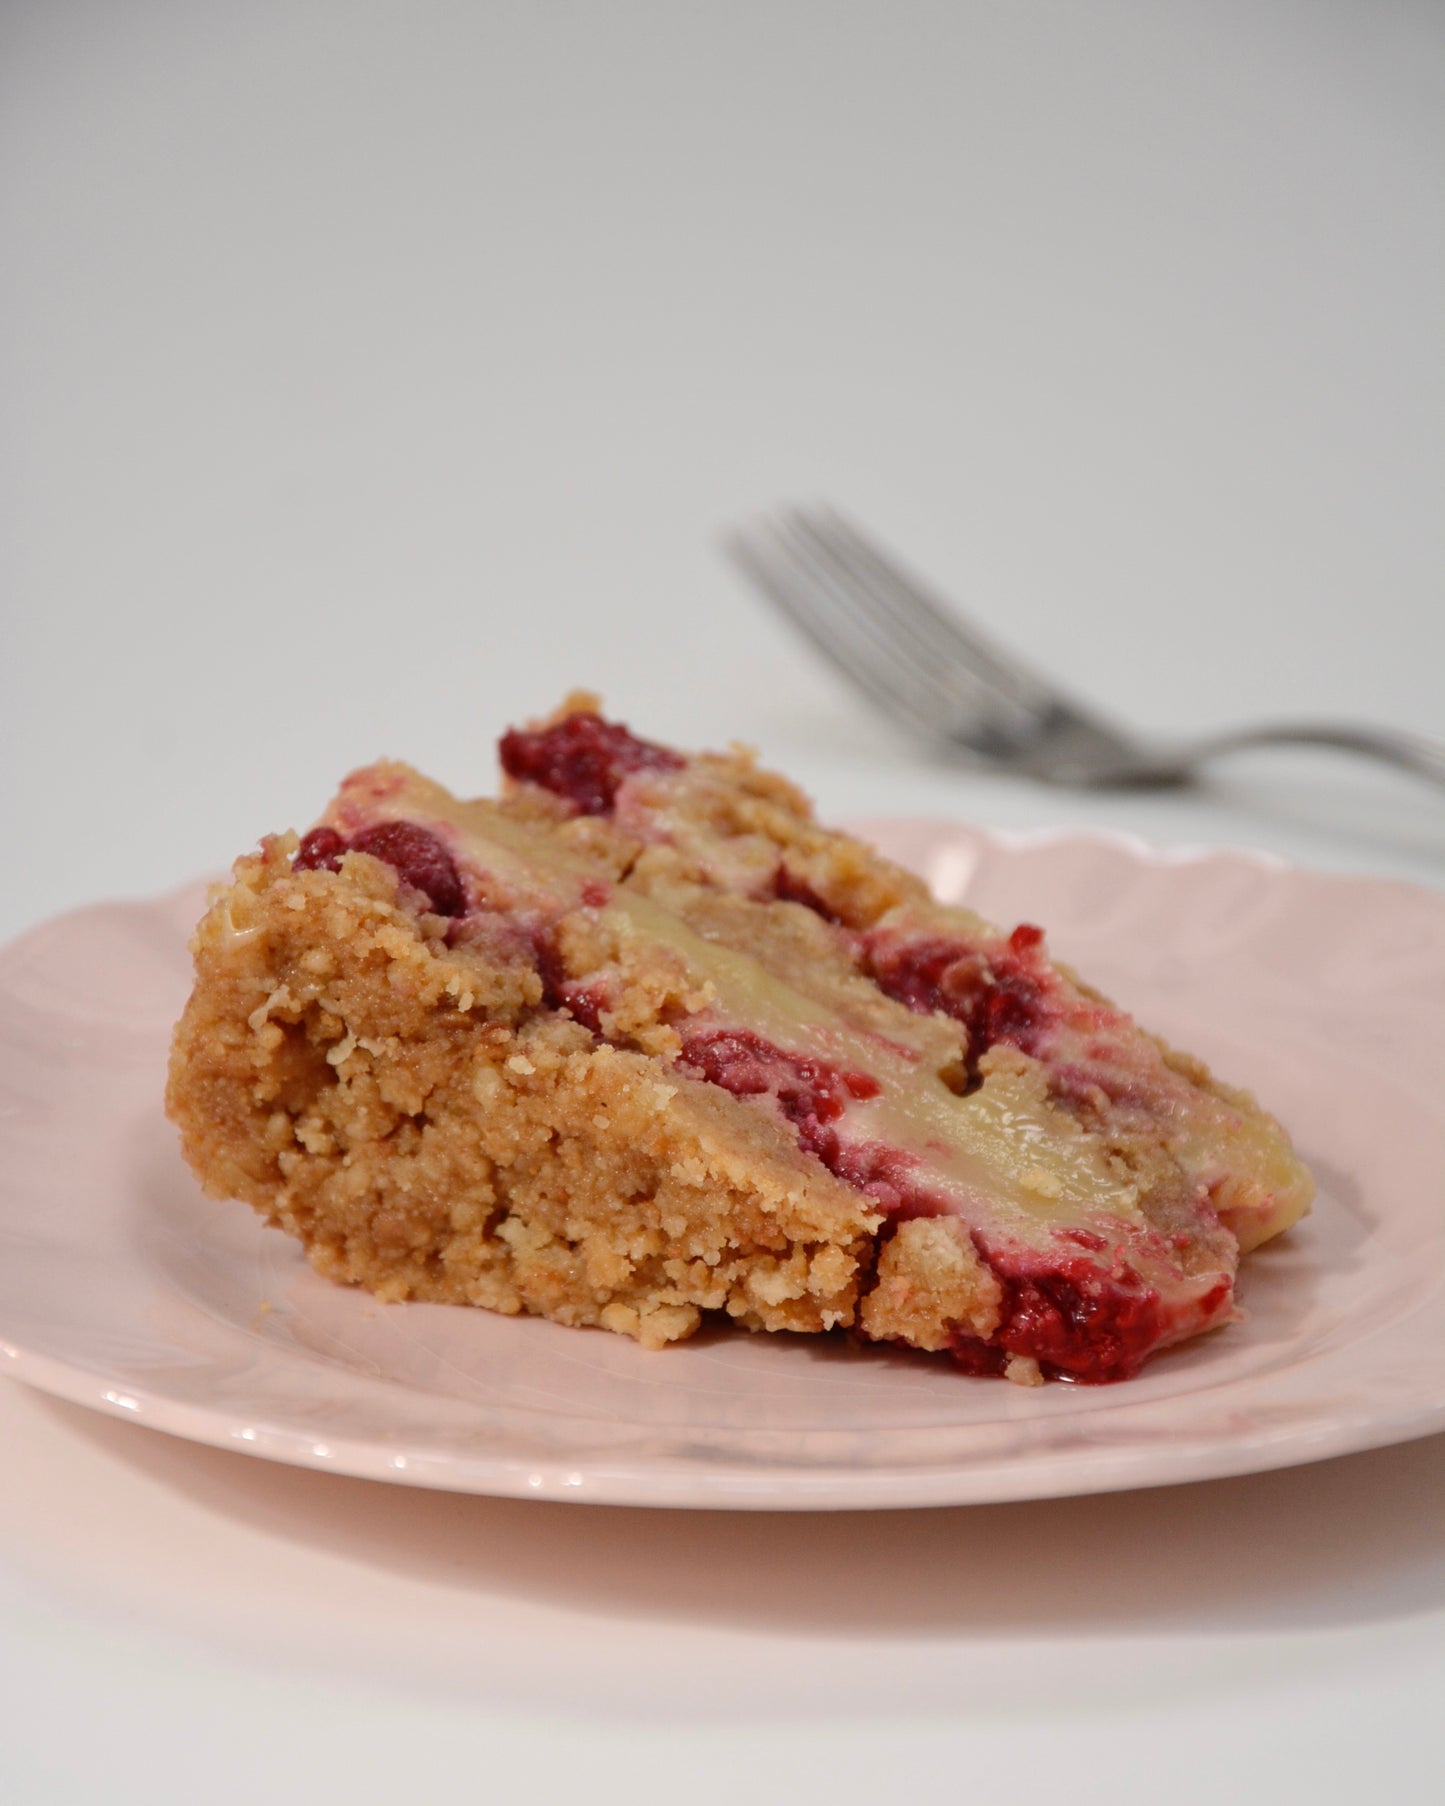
<point>1041,1182</point>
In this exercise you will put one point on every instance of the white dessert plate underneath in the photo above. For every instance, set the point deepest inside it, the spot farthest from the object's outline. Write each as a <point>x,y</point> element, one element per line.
<point>124,1289</point>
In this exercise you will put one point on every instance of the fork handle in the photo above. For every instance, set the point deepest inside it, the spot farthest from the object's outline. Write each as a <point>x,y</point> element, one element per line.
<point>1393,746</point>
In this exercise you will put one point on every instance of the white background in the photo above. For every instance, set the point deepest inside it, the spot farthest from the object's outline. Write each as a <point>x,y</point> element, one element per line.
<point>373,373</point>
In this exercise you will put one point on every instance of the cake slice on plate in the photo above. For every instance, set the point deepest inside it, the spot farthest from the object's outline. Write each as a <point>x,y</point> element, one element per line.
<point>642,1042</point>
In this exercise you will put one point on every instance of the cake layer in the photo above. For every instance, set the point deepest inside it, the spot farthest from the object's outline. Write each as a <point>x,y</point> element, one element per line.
<point>641,1041</point>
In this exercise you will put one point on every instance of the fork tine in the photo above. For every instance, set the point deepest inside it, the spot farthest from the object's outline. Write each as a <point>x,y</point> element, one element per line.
<point>852,646</point>
<point>924,684</point>
<point>851,642</point>
<point>933,693</point>
<point>914,608</point>
<point>892,637</point>
<point>980,706</point>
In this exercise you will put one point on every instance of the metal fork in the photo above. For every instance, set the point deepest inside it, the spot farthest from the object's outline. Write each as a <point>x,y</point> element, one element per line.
<point>913,655</point>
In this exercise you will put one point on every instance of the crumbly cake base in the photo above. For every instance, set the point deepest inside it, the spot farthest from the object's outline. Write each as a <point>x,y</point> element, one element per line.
<point>470,1148</point>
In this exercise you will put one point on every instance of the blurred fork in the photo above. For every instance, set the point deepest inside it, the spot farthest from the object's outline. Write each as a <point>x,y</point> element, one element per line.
<point>913,655</point>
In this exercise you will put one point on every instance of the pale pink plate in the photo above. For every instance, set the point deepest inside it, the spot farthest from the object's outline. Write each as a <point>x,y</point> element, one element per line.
<point>122,1288</point>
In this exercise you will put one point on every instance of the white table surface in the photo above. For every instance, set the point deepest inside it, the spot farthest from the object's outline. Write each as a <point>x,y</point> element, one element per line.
<point>374,372</point>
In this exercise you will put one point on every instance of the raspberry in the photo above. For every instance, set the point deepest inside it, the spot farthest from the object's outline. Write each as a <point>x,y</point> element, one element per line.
<point>582,758</point>
<point>419,859</point>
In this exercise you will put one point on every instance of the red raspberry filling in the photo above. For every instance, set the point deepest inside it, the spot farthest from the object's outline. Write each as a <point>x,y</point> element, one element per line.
<point>885,1173</point>
<point>812,1095</point>
<point>319,851</point>
<point>789,888</point>
<point>583,758</point>
<point>997,996</point>
<point>414,853</point>
<point>584,1001</point>
<point>744,1063</point>
<point>1079,1320</point>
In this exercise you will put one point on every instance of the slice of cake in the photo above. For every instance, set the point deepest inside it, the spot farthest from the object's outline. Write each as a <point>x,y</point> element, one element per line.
<point>642,1041</point>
